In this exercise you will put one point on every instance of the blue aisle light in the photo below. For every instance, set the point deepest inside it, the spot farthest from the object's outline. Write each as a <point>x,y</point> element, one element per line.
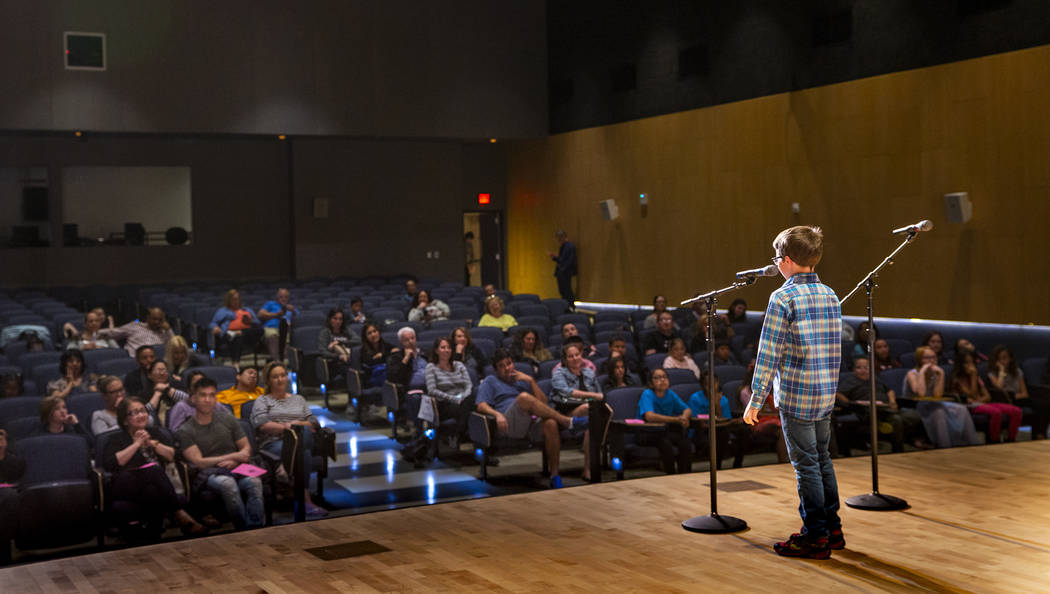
<point>354,402</point>
<point>617,464</point>
<point>429,433</point>
<point>324,390</point>
<point>479,453</point>
<point>390,416</point>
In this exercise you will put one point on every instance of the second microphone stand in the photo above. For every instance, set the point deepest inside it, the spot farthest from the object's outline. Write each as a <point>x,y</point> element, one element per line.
<point>714,523</point>
<point>875,501</point>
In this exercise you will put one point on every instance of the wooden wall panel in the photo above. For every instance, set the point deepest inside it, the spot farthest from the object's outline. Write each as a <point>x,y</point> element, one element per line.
<point>861,158</point>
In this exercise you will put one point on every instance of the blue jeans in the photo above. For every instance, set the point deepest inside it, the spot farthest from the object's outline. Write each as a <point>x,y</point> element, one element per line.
<point>244,513</point>
<point>818,493</point>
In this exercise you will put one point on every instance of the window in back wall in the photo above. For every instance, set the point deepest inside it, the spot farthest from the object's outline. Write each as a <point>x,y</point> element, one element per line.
<point>132,206</point>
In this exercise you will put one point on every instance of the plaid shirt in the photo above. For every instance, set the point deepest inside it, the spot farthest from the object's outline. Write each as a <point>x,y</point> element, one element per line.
<point>800,350</point>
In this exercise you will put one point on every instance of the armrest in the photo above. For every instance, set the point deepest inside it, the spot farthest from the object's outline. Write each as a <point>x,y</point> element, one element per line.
<point>481,428</point>
<point>393,395</point>
<point>353,382</point>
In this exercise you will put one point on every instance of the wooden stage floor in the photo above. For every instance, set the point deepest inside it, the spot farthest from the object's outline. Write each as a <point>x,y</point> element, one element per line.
<point>979,521</point>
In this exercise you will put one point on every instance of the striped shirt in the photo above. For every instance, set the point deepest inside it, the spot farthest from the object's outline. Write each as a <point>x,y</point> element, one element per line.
<point>800,350</point>
<point>293,407</point>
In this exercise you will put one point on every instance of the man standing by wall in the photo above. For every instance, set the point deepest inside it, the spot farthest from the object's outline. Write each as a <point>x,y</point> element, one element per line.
<point>565,267</point>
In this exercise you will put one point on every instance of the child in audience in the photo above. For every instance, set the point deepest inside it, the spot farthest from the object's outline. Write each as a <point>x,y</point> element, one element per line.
<point>861,346</point>
<point>659,306</point>
<point>659,404</point>
<point>883,359</point>
<point>10,385</point>
<point>1006,377</point>
<point>56,419</point>
<point>935,340</point>
<point>617,375</point>
<point>947,423</point>
<point>374,351</point>
<point>967,384</point>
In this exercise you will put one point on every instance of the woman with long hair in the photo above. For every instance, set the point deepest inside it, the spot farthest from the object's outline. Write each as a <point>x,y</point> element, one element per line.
<point>426,310</point>
<point>527,347</point>
<point>374,351</point>
<point>967,384</point>
<point>1006,377</point>
<point>947,423</point>
<point>465,351</point>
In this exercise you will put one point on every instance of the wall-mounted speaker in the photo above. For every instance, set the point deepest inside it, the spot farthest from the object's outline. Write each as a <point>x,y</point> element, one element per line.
<point>957,207</point>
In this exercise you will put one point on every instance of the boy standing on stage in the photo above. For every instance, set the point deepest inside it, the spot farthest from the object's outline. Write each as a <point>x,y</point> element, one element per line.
<point>799,355</point>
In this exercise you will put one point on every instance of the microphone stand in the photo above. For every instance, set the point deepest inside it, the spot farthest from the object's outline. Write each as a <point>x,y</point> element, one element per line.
<point>875,501</point>
<point>714,523</point>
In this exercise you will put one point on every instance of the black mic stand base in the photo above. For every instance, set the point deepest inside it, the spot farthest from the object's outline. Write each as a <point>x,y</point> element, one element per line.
<point>714,524</point>
<point>877,502</point>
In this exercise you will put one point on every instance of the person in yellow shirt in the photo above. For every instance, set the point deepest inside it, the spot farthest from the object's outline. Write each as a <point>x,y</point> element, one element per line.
<point>247,389</point>
<point>494,315</point>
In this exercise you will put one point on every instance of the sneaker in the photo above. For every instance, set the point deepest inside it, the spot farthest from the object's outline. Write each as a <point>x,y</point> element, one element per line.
<point>555,482</point>
<point>802,547</point>
<point>836,540</point>
<point>578,424</point>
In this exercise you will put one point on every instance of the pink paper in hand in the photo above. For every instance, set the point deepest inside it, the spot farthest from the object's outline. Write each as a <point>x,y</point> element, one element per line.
<point>702,417</point>
<point>634,421</point>
<point>249,470</point>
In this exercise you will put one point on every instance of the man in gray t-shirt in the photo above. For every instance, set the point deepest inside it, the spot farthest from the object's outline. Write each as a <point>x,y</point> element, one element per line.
<point>215,445</point>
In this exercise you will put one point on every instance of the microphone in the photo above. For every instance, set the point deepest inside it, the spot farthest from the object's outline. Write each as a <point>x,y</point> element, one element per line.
<point>925,225</point>
<point>770,270</point>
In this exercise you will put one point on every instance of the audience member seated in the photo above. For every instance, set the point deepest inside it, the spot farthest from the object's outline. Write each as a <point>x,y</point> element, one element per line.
<point>617,375</point>
<point>677,358</point>
<point>696,333</point>
<point>883,359</point>
<point>495,317</point>
<point>465,351</point>
<point>426,310</point>
<point>73,380</point>
<point>1006,377</point>
<point>277,315</point>
<point>860,348</point>
<point>159,394</point>
<point>618,347</point>
<point>659,306</point>
<point>660,341</point>
<point>179,358</point>
<point>741,434</point>
<point>89,339</point>
<point>277,411</point>
<point>490,290</point>
<point>245,390</point>
<point>105,419</point>
<point>136,381</point>
<point>737,311</point>
<point>568,331</point>
<point>573,383</point>
<point>214,444</point>
<point>768,426</point>
<point>659,404</point>
<point>855,390</point>
<point>521,411</point>
<point>406,365</point>
<point>335,342</point>
<point>963,345</point>
<point>410,291</point>
<point>135,456</point>
<point>947,423</point>
<point>578,342</point>
<point>966,383</point>
<point>234,326</point>
<point>935,340</point>
<point>357,311</point>
<point>11,385</point>
<point>447,384</point>
<point>528,348</point>
<point>55,419</point>
<point>155,330</point>
<point>374,351</point>
<point>11,470</point>
<point>723,355</point>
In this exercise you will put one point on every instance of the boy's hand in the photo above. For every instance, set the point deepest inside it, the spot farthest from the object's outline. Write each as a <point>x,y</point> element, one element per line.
<point>751,415</point>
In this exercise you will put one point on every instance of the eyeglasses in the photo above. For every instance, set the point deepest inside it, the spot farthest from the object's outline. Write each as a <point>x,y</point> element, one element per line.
<point>137,411</point>
<point>777,259</point>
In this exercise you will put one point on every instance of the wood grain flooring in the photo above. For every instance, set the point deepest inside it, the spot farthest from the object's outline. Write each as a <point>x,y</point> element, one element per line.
<point>979,522</point>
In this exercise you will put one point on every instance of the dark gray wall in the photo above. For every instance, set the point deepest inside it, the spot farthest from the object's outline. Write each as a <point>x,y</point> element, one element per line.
<point>408,68</point>
<point>240,211</point>
<point>758,47</point>
<point>391,202</point>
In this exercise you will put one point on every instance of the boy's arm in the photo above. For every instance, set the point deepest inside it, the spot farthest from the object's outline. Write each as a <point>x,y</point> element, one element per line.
<point>770,351</point>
